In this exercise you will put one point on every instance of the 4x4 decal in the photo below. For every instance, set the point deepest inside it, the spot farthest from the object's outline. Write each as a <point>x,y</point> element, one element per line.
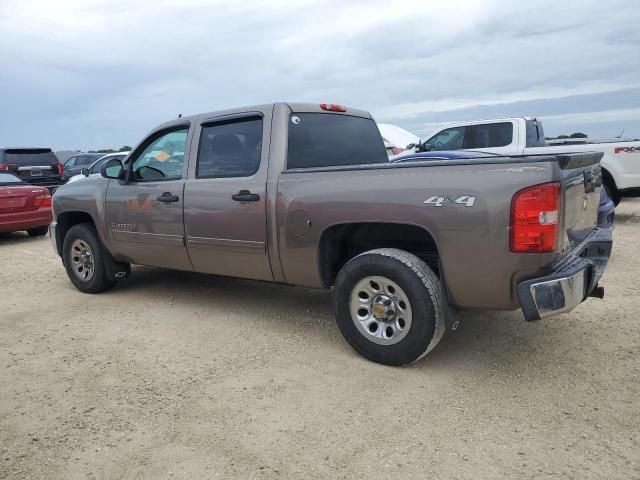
<point>439,201</point>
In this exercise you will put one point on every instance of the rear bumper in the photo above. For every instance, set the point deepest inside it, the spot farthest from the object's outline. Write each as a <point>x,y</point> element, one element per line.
<point>572,280</point>
<point>18,221</point>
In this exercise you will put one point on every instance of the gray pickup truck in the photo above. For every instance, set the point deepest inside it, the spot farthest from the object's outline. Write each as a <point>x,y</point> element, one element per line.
<point>303,194</point>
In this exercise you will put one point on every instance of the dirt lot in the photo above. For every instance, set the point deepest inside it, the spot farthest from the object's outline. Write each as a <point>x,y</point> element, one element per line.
<point>176,375</point>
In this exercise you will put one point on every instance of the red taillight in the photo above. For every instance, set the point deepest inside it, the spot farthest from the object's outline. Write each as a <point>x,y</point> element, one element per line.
<point>43,200</point>
<point>4,167</point>
<point>535,213</point>
<point>332,107</point>
<point>60,168</point>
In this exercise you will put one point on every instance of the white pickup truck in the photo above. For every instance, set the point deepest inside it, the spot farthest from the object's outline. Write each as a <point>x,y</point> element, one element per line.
<point>525,136</point>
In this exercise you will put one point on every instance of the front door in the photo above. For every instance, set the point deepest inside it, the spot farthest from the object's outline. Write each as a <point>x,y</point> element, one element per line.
<point>145,213</point>
<point>225,199</point>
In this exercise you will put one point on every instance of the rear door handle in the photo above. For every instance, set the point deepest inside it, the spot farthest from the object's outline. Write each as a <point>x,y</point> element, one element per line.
<point>245,196</point>
<point>167,197</point>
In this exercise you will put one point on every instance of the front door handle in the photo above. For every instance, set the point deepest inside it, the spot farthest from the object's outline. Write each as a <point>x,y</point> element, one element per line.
<point>245,196</point>
<point>167,197</point>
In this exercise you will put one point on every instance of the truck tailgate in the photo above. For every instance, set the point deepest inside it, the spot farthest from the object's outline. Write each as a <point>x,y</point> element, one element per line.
<point>581,181</point>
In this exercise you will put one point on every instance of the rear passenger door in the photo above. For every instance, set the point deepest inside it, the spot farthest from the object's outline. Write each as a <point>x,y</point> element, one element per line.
<point>225,197</point>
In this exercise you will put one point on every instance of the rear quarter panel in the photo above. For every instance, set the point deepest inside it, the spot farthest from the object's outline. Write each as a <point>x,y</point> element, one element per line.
<point>473,242</point>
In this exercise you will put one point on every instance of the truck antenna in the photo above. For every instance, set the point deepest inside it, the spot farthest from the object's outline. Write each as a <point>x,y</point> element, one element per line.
<point>179,115</point>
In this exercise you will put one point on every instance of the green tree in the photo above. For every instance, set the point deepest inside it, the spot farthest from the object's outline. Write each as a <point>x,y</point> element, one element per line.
<point>125,148</point>
<point>579,135</point>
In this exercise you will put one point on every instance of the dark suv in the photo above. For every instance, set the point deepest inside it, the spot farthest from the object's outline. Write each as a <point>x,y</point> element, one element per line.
<point>37,166</point>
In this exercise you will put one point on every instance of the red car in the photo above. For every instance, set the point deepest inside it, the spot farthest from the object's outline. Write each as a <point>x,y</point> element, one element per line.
<point>23,206</point>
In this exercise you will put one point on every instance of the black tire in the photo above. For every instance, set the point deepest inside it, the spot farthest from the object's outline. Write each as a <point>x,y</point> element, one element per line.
<point>98,282</point>
<point>424,292</point>
<point>38,232</point>
<point>613,193</point>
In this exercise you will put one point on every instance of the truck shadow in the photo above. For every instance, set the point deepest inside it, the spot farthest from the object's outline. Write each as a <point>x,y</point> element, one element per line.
<point>633,217</point>
<point>19,237</point>
<point>485,340</point>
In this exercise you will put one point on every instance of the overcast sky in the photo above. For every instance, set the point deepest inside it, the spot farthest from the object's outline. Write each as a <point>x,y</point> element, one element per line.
<point>94,74</point>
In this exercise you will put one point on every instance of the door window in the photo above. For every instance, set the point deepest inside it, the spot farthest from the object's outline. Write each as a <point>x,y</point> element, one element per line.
<point>449,139</point>
<point>163,157</point>
<point>489,135</point>
<point>71,162</point>
<point>230,149</point>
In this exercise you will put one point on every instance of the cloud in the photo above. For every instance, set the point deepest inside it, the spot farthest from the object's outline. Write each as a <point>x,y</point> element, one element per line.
<point>88,74</point>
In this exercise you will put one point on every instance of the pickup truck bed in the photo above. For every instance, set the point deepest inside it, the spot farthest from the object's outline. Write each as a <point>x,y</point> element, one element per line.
<point>304,194</point>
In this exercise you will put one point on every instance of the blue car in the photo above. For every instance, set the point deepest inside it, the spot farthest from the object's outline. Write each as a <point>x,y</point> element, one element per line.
<point>606,209</point>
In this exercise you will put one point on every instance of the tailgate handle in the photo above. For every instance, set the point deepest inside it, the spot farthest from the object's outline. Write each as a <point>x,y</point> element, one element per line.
<point>588,182</point>
<point>245,196</point>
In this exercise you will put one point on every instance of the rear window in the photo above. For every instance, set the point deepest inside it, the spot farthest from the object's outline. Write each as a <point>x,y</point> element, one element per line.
<point>330,140</point>
<point>535,134</point>
<point>30,156</point>
<point>8,179</point>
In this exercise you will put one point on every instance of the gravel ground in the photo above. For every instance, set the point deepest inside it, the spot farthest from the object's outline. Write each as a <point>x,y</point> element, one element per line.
<point>176,375</point>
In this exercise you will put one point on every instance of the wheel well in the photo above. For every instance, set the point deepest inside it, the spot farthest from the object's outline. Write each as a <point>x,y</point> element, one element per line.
<point>67,220</point>
<point>608,180</point>
<point>341,243</point>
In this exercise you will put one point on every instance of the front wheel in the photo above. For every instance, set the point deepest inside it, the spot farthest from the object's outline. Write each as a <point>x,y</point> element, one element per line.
<point>389,306</point>
<point>83,259</point>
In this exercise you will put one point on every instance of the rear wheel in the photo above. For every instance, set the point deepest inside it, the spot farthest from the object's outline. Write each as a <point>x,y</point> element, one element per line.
<point>612,191</point>
<point>389,307</point>
<point>38,232</point>
<point>83,259</point>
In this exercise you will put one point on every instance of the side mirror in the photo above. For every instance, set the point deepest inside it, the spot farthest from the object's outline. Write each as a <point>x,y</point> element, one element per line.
<point>85,172</point>
<point>113,169</point>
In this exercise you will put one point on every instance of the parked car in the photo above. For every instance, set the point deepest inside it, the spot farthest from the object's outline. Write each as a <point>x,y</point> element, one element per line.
<point>396,139</point>
<point>36,166</point>
<point>23,206</point>
<point>95,167</point>
<point>77,162</point>
<point>525,136</point>
<point>304,194</point>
